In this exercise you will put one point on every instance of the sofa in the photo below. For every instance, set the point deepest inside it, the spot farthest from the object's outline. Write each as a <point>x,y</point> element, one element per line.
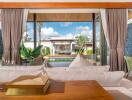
<point>10,73</point>
<point>111,81</point>
<point>79,69</point>
<point>82,69</point>
<point>104,78</point>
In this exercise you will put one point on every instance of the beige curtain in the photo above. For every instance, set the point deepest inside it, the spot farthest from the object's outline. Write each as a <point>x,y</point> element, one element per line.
<point>6,34</point>
<point>12,26</point>
<point>113,36</point>
<point>122,33</point>
<point>116,21</point>
<point>16,34</point>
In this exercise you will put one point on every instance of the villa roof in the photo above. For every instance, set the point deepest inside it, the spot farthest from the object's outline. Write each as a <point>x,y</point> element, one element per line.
<point>62,39</point>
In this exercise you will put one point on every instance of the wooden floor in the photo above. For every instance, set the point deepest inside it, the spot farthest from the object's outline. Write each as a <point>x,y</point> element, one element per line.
<point>72,90</point>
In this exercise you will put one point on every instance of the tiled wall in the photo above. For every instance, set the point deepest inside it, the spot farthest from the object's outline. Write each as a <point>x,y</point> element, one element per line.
<point>128,45</point>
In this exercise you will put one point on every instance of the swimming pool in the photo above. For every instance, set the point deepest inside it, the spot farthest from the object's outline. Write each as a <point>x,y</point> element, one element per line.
<point>60,61</point>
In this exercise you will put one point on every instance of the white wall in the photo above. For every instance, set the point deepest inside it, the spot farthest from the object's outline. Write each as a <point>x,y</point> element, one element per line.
<point>65,0</point>
<point>47,44</point>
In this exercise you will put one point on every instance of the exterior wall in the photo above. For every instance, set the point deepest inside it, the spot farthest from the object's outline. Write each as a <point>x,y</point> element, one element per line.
<point>128,45</point>
<point>45,44</point>
<point>48,44</point>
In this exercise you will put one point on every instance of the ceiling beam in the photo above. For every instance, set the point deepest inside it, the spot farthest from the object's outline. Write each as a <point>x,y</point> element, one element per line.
<point>65,4</point>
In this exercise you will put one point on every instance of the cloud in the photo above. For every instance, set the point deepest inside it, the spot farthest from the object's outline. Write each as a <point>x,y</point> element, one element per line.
<point>65,24</point>
<point>69,35</point>
<point>48,32</point>
<point>84,30</point>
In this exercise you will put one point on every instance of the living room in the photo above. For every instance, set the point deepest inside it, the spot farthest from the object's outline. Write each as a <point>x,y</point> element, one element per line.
<point>84,78</point>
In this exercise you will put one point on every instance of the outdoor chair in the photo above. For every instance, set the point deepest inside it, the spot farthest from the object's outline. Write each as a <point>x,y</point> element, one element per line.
<point>129,64</point>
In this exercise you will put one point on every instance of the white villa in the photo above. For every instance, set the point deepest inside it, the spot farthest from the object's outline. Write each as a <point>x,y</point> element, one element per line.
<point>58,45</point>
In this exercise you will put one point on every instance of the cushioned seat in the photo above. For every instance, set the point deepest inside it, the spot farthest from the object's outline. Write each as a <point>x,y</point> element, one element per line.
<point>9,73</point>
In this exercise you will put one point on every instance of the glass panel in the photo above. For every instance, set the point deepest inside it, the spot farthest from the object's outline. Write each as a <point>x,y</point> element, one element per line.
<point>28,36</point>
<point>58,35</point>
<point>98,46</point>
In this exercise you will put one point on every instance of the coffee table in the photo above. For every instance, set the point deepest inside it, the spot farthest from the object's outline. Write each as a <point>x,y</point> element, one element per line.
<point>77,90</point>
<point>69,90</point>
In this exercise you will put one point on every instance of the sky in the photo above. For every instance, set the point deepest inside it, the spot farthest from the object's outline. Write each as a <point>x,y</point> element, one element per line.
<point>62,29</point>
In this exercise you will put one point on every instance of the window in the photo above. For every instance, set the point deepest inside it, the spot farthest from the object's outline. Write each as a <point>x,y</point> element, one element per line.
<point>28,36</point>
<point>60,37</point>
<point>98,46</point>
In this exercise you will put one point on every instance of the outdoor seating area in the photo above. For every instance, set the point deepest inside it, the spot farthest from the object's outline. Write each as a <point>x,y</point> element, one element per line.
<point>65,51</point>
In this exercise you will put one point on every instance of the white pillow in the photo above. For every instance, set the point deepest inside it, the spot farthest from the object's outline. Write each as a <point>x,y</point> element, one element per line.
<point>9,73</point>
<point>79,61</point>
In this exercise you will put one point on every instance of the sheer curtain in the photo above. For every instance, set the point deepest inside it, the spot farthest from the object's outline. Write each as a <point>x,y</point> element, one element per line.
<point>114,23</point>
<point>104,24</point>
<point>25,16</point>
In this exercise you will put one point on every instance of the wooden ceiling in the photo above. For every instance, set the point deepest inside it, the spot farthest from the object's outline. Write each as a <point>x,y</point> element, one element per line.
<point>65,4</point>
<point>66,16</point>
<point>62,17</point>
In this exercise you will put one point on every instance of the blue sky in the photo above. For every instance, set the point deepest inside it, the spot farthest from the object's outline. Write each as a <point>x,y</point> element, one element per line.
<point>68,29</point>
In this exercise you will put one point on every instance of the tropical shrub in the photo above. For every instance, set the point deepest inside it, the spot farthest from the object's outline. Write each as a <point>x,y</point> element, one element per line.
<point>28,53</point>
<point>81,42</point>
<point>46,51</point>
<point>79,50</point>
<point>89,51</point>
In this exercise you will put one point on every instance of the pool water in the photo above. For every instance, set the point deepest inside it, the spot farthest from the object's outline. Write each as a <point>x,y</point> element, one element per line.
<point>60,62</point>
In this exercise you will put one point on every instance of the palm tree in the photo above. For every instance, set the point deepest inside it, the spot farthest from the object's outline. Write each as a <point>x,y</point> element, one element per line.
<point>40,24</point>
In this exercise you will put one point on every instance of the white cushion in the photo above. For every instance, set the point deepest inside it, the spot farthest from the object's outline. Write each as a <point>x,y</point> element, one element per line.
<point>79,61</point>
<point>9,73</point>
<point>97,68</point>
<point>112,78</point>
<point>104,78</point>
<point>123,90</point>
<point>82,64</point>
<point>126,83</point>
<point>21,67</point>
